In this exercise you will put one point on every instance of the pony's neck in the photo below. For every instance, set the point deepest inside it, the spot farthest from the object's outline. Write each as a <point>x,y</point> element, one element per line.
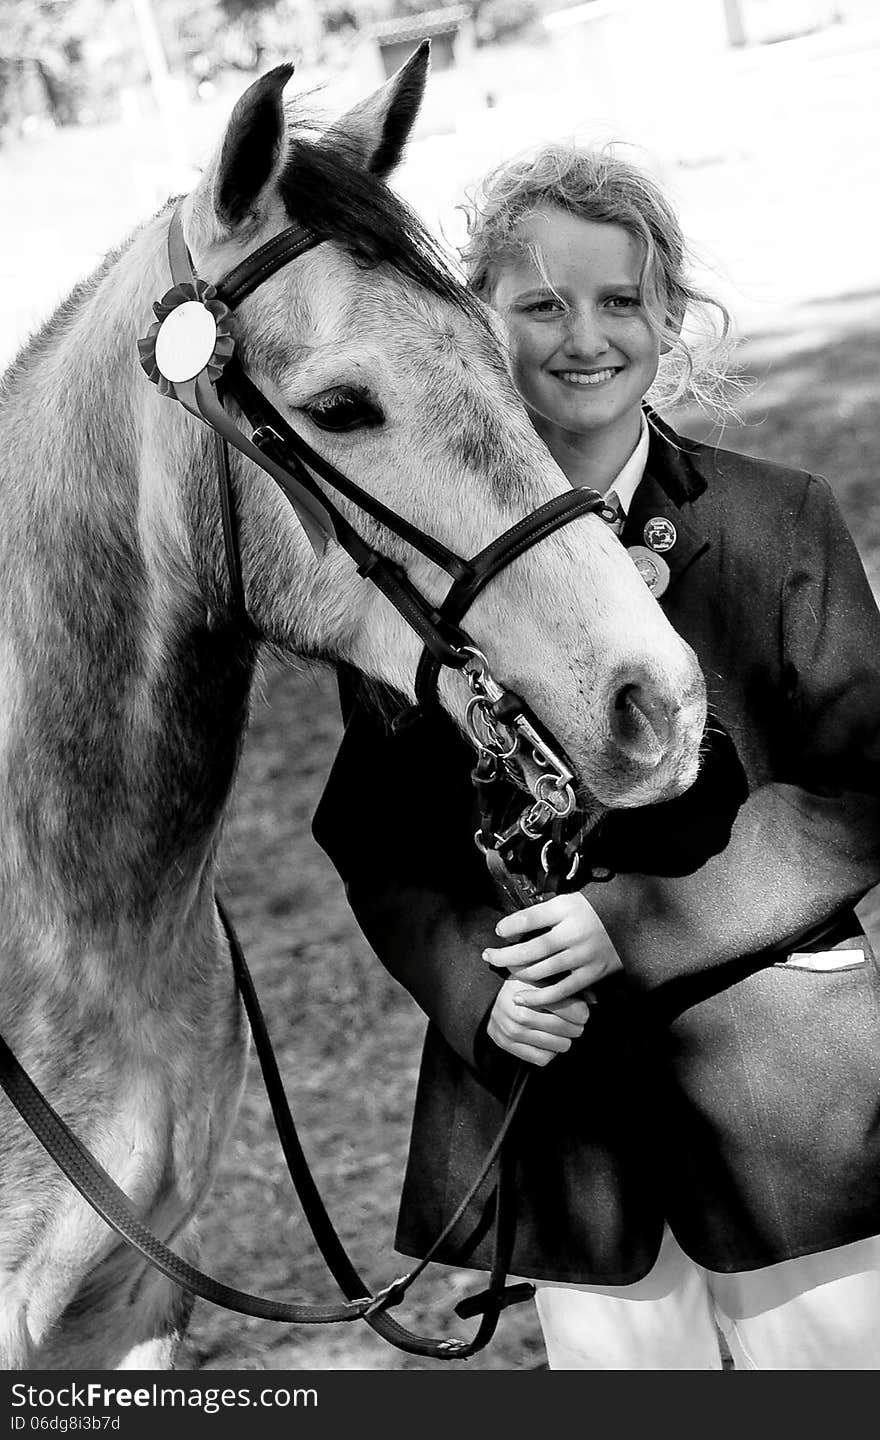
<point>124,709</point>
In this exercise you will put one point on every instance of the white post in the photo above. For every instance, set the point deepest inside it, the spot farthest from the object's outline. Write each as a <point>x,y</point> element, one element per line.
<point>735,22</point>
<point>160,75</point>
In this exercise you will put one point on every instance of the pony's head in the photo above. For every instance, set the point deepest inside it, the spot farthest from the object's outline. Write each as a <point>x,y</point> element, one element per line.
<point>373,351</point>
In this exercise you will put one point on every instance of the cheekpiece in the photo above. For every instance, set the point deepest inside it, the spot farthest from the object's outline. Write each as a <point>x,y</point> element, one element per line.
<point>190,336</point>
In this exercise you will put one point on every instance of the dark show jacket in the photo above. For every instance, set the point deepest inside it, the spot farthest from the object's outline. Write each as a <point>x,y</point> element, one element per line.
<point>717,1085</point>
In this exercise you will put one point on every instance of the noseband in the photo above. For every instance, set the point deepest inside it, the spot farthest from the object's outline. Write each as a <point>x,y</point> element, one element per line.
<point>189,354</point>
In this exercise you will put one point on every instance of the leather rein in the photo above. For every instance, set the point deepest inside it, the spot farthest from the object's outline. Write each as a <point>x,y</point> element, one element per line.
<point>189,354</point>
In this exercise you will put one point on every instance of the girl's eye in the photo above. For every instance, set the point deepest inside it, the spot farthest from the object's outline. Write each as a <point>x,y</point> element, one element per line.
<point>550,306</point>
<point>624,302</point>
<point>344,409</point>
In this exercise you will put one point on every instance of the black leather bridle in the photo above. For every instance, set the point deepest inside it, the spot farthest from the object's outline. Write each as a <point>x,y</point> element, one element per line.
<point>499,723</point>
<point>293,464</point>
<point>498,720</point>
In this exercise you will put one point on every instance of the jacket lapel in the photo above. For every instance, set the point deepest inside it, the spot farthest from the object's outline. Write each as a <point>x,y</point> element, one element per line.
<point>671,481</point>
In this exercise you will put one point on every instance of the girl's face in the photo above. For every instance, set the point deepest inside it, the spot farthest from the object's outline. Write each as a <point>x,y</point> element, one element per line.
<point>582,351</point>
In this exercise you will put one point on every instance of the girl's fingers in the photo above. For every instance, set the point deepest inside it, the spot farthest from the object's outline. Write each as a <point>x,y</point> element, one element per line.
<point>528,952</point>
<point>576,1009</point>
<point>534,917</point>
<point>548,1022</point>
<point>508,1033</point>
<point>529,1053</point>
<point>549,995</point>
<point>555,1044</point>
<point>562,962</point>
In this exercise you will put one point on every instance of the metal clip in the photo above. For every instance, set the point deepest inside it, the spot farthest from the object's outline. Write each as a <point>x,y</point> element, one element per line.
<point>390,1295</point>
<point>546,786</point>
<point>479,677</point>
<point>452,1348</point>
<point>533,823</point>
<point>545,862</point>
<point>543,753</point>
<point>490,741</point>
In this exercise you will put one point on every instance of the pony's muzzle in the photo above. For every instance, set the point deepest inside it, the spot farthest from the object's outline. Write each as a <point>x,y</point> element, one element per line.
<point>654,731</point>
<point>641,722</point>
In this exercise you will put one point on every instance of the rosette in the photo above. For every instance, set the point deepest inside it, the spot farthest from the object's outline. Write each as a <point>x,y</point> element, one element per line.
<point>191,335</point>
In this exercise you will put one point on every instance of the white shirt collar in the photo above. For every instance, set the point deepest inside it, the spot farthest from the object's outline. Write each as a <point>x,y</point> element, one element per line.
<point>627,481</point>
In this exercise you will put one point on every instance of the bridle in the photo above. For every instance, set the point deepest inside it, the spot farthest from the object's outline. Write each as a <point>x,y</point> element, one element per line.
<point>189,354</point>
<point>293,464</point>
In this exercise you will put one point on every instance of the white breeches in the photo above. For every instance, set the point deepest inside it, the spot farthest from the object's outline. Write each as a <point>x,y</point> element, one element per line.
<point>818,1312</point>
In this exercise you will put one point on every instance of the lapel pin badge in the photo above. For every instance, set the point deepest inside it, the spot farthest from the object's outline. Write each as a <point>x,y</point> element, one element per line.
<point>652,568</point>
<point>660,534</point>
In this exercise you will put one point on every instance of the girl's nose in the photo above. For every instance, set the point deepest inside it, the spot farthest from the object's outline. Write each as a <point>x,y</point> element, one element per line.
<point>585,335</point>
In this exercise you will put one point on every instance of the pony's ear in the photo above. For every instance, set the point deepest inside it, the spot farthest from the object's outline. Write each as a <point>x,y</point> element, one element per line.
<point>250,156</point>
<point>375,132</point>
<point>253,146</point>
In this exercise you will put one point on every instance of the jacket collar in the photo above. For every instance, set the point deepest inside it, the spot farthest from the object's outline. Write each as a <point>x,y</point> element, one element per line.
<point>674,460</point>
<point>670,483</point>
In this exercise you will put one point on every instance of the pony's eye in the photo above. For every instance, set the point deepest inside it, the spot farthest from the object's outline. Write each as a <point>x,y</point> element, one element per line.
<point>344,410</point>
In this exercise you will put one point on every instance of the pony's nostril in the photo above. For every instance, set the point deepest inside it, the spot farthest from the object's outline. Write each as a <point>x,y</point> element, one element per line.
<point>641,722</point>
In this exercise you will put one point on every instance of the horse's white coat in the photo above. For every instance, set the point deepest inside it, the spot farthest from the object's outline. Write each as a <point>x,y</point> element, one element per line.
<point>124,693</point>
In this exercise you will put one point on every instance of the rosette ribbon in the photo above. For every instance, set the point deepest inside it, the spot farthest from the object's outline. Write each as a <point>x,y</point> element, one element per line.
<point>188,293</point>
<point>185,353</point>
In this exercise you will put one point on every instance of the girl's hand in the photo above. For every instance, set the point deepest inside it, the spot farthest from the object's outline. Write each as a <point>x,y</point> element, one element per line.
<point>534,1035</point>
<point>560,937</point>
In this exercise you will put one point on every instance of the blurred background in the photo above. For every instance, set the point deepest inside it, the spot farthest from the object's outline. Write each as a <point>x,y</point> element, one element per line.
<point>761,119</point>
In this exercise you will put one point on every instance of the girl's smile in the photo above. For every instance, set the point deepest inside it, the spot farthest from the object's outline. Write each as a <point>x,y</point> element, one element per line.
<point>586,377</point>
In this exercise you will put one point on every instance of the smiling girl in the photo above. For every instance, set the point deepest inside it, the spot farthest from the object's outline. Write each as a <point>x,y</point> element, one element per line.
<point>699,1146</point>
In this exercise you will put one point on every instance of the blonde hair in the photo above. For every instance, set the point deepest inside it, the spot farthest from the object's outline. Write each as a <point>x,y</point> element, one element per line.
<point>596,185</point>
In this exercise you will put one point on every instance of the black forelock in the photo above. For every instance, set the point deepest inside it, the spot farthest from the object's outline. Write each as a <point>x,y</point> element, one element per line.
<point>328,191</point>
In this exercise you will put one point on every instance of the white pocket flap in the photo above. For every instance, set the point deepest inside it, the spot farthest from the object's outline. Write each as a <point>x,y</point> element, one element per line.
<point>824,960</point>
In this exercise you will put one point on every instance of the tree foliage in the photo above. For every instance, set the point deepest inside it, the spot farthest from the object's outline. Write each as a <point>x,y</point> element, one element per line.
<point>74,60</point>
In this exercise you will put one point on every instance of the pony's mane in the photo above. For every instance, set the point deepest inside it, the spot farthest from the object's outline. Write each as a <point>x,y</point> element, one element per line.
<point>327,189</point>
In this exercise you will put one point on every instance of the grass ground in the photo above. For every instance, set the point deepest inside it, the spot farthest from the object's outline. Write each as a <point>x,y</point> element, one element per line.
<point>348,1039</point>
